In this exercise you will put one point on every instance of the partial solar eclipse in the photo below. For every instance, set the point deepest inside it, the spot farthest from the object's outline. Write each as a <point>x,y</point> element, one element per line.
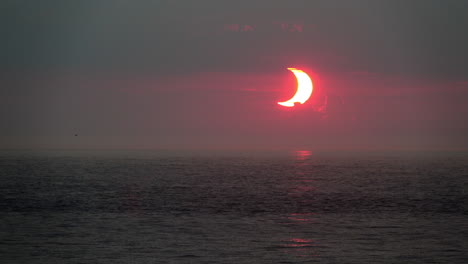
<point>304,88</point>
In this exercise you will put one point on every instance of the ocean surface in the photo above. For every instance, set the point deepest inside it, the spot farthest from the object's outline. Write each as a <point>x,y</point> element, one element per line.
<point>214,207</point>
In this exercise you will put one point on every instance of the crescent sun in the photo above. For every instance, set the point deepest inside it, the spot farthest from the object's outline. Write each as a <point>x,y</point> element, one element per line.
<point>304,88</point>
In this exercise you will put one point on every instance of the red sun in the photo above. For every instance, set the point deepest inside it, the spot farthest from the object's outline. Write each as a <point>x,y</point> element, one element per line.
<point>304,88</point>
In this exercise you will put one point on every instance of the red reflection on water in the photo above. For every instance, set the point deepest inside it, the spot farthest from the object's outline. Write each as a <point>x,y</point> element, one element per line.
<point>301,189</point>
<point>301,247</point>
<point>302,182</point>
<point>302,217</point>
<point>302,155</point>
<point>299,242</point>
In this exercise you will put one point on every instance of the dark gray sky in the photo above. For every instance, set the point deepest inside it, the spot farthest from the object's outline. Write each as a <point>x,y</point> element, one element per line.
<point>168,74</point>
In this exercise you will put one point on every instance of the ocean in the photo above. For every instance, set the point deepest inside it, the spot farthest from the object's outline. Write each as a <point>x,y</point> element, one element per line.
<point>233,207</point>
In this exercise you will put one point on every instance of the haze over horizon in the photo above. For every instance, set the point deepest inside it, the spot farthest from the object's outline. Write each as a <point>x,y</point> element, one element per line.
<point>388,75</point>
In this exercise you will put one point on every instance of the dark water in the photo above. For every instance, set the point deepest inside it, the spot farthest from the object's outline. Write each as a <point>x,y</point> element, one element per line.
<point>297,207</point>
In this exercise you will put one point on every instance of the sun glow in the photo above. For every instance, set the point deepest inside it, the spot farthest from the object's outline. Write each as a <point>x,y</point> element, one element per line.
<point>304,88</point>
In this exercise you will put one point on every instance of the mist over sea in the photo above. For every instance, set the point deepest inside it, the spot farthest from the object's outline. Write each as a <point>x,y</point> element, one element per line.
<point>233,207</point>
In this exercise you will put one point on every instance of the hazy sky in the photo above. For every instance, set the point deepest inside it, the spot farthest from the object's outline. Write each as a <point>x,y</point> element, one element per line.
<point>178,74</point>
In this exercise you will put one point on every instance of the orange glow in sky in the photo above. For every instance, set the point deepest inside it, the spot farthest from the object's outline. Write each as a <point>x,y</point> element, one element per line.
<point>304,88</point>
